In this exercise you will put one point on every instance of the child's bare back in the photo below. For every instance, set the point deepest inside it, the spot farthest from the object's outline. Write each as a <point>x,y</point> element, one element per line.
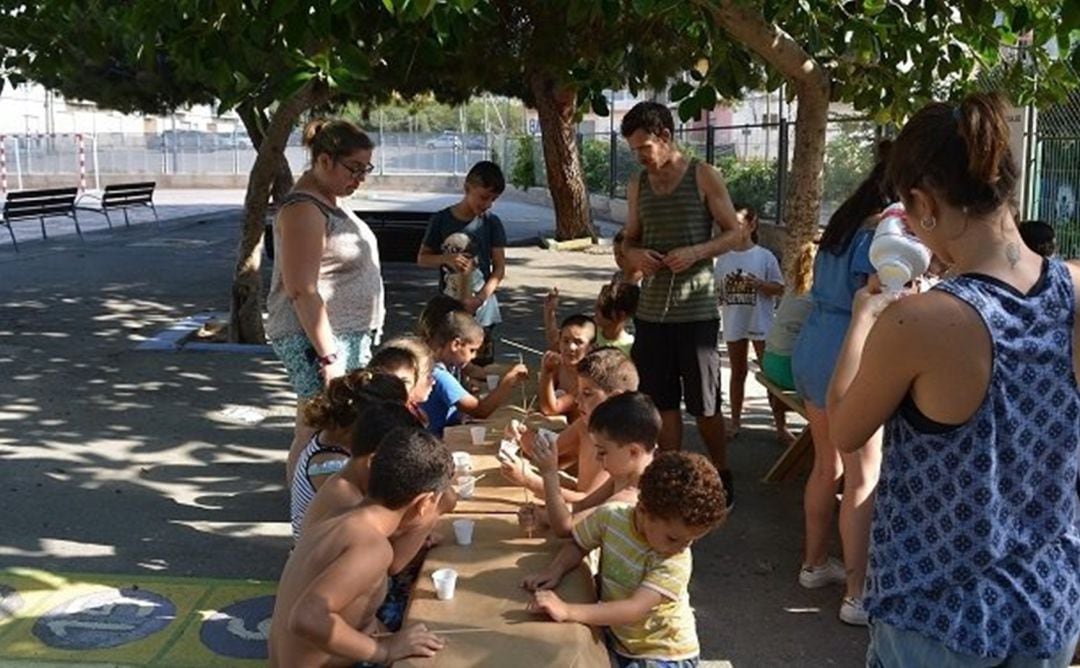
<point>337,495</point>
<point>336,575</point>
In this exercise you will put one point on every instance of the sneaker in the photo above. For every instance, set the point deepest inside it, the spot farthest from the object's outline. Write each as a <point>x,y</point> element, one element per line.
<point>729,489</point>
<point>852,612</point>
<point>831,572</point>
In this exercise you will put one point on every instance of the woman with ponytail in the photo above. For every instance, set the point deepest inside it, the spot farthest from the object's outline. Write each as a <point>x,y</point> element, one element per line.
<point>332,414</point>
<point>326,295</point>
<point>841,267</point>
<point>974,554</point>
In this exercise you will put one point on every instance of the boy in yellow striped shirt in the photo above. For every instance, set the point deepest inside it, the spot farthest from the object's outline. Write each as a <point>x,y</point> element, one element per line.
<point>645,564</point>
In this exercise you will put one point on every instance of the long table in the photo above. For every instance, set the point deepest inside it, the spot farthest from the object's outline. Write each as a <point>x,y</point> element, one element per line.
<point>487,618</point>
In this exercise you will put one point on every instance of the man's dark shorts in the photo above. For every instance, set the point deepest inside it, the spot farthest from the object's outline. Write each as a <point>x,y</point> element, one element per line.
<point>678,360</point>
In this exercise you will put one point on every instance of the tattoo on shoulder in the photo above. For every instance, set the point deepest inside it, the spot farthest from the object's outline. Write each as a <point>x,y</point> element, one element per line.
<point>1012,253</point>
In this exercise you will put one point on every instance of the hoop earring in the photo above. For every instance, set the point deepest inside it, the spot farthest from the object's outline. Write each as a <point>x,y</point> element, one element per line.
<point>928,223</point>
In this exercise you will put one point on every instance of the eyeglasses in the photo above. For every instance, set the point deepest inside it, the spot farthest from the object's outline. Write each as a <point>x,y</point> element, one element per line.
<point>358,170</point>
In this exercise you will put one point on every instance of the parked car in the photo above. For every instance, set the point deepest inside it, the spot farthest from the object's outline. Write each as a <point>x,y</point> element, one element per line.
<point>476,142</point>
<point>445,140</point>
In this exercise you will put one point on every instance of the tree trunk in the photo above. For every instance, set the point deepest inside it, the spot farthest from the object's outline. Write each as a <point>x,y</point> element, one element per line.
<point>811,84</point>
<point>565,177</point>
<point>255,123</point>
<point>245,316</point>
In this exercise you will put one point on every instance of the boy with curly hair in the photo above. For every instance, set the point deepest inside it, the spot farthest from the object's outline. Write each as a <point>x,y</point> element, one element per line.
<point>645,564</point>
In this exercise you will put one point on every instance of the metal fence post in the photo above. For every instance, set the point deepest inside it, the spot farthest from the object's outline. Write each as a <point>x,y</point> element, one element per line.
<point>710,148</point>
<point>613,163</point>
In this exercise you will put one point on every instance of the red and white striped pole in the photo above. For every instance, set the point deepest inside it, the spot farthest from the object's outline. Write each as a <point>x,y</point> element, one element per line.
<point>3,163</point>
<point>82,162</point>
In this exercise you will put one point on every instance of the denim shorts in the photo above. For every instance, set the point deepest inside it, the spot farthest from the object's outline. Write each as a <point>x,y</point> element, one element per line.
<point>620,661</point>
<point>891,647</point>
<point>302,364</point>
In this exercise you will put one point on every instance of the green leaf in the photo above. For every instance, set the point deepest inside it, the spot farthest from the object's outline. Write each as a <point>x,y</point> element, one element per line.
<point>706,97</point>
<point>874,7</point>
<point>600,105</point>
<point>689,109</point>
<point>680,90</point>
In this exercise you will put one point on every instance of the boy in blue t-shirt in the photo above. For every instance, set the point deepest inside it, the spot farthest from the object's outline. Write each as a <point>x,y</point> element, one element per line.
<point>455,342</point>
<point>485,253</point>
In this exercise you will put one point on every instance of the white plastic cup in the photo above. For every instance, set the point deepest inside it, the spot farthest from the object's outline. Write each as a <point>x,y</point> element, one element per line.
<point>445,580</point>
<point>466,486</point>
<point>462,461</point>
<point>493,381</point>
<point>478,434</point>
<point>463,531</point>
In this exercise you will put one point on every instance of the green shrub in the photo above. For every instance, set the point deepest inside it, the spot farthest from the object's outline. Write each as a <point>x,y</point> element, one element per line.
<point>750,182</point>
<point>523,172</point>
<point>596,163</point>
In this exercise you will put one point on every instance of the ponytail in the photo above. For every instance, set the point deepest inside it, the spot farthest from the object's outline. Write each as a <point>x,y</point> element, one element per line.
<point>962,153</point>
<point>343,399</point>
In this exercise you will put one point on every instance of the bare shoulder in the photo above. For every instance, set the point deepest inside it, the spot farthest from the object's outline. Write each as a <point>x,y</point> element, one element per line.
<point>300,214</point>
<point>931,320</point>
<point>707,176</point>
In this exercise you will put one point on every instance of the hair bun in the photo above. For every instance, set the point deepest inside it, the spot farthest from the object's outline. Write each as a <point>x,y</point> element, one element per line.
<point>312,130</point>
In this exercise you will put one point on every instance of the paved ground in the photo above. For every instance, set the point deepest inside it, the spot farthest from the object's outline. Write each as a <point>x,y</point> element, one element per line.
<point>140,463</point>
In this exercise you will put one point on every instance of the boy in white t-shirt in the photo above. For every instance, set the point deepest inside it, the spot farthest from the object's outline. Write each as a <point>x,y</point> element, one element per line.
<point>749,281</point>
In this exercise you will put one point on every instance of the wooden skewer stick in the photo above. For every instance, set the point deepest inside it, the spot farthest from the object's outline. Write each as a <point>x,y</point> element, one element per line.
<point>522,346</point>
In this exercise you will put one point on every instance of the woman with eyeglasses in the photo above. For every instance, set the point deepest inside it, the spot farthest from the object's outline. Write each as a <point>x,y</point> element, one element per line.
<point>326,296</point>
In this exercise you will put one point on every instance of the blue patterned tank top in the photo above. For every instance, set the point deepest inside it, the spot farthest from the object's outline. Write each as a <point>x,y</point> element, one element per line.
<point>974,540</point>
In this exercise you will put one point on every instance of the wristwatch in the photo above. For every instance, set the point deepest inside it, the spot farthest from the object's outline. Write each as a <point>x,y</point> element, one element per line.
<point>327,360</point>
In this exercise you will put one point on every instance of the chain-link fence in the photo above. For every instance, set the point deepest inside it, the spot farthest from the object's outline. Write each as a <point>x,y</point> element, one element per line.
<point>88,157</point>
<point>1057,178</point>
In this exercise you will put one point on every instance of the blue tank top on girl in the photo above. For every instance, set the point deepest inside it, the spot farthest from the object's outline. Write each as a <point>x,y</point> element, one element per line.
<point>974,540</point>
<point>836,280</point>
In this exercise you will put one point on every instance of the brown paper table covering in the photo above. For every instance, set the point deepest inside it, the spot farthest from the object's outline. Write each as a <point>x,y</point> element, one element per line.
<point>493,493</point>
<point>489,597</point>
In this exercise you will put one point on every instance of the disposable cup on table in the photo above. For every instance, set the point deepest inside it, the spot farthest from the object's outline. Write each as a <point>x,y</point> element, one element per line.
<point>478,434</point>
<point>445,580</point>
<point>492,381</point>
<point>463,531</point>
<point>462,461</point>
<point>466,486</point>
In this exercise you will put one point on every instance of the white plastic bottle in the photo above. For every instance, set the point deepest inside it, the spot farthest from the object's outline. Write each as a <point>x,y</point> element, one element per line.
<point>897,255</point>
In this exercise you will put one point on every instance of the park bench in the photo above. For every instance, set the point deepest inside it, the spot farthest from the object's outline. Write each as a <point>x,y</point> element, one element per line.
<point>399,233</point>
<point>799,455</point>
<point>40,204</point>
<point>121,196</point>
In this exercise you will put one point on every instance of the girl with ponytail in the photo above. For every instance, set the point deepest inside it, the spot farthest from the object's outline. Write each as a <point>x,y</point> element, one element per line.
<point>974,554</point>
<point>333,414</point>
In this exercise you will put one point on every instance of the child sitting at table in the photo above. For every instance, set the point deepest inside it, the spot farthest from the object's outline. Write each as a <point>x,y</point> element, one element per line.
<point>602,374</point>
<point>410,359</point>
<point>557,392</point>
<point>645,564</point>
<point>624,429</point>
<point>333,413</point>
<point>455,342</point>
<point>335,579</point>
<point>348,487</point>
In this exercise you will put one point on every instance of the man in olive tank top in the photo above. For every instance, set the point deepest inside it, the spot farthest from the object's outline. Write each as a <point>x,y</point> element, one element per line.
<point>680,218</point>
